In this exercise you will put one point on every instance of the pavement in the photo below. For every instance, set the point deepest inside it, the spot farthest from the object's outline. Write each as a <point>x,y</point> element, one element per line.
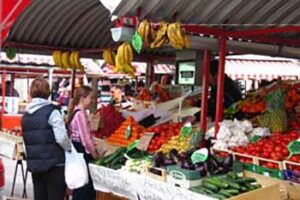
<point>9,167</point>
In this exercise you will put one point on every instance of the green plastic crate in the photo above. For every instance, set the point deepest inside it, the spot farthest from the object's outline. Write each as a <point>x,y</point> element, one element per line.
<point>188,174</point>
<point>275,173</point>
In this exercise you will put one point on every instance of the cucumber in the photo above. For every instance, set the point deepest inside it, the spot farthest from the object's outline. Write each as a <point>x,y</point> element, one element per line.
<point>201,190</point>
<point>255,187</point>
<point>118,152</point>
<point>207,191</point>
<point>218,196</point>
<point>231,184</point>
<point>217,182</point>
<point>244,189</point>
<point>232,192</point>
<point>232,175</point>
<point>225,193</point>
<point>249,179</point>
<point>239,180</point>
<point>210,186</point>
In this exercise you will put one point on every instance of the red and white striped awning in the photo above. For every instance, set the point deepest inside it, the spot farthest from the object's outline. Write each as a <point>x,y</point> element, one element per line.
<point>262,69</point>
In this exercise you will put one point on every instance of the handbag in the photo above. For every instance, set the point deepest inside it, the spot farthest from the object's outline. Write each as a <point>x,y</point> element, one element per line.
<point>76,172</point>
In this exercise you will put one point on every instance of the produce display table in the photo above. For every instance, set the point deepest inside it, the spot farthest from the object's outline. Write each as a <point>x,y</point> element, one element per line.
<point>11,121</point>
<point>140,187</point>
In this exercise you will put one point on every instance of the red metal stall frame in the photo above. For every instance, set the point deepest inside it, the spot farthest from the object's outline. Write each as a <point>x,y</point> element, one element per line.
<point>205,83</point>
<point>3,80</point>
<point>221,77</point>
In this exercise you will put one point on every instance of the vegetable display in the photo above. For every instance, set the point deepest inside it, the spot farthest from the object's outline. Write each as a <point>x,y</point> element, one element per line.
<point>227,186</point>
<point>119,158</point>
<point>111,119</point>
<point>128,132</point>
<point>211,166</point>
<point>273,147</point>
<point>162,134</point>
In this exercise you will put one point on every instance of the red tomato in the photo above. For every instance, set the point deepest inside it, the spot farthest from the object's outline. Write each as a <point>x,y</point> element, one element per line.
<point>278,149</point>
<point>266,155</point>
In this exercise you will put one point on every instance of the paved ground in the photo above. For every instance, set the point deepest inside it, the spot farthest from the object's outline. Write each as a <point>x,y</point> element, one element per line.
<point>9,167</point>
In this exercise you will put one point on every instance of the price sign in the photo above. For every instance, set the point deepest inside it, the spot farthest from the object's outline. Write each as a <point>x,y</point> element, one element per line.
<point>200,155</point>
<point>145,141</point>
<point>137,42</point>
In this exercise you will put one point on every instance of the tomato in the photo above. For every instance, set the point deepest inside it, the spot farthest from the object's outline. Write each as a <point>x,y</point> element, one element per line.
<point>266,155</point>
<point>157,130</point>
<point>258,149</point>
<point>278,149</point>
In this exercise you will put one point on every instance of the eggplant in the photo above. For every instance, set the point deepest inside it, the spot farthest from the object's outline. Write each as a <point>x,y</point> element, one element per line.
<point>201,168</point>
<point>174,155</point>
<point>219,170</point>
<point>158,159</point>
<point>187,165</point>
<point>228,162</point>
<point>167,162</point>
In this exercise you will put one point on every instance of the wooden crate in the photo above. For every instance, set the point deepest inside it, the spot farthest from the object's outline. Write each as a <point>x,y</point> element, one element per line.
<point>108,196</point>
<point>288,190</point>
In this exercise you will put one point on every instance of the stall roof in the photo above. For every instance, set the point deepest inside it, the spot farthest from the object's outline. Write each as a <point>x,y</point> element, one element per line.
<point>229,15</point>
<point>67,24</point>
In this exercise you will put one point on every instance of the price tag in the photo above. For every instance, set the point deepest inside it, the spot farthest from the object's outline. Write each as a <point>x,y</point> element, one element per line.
<point>137,42</point>
<point>186,130</point>
<point>238,167</point>
<point>294,148</point>
<point>128,132</point>
<point>145,141</point>
<point>200,155</point>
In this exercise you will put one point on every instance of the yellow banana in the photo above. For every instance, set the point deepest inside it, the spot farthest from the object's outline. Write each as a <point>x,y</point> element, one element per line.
<point>129,53</point>
<point>118,67</point>
<point>108,56</point>
<point>65,60</point>
<point>57,58</point>
<point>187,43</point>
<point>77,60</point>
<point>72,60</point>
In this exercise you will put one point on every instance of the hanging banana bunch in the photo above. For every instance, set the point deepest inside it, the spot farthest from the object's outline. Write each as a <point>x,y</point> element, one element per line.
<point>109,57</point>
<point>123,60</point>
<point>178,38</point>
<point>161,36</point>
<point>65,60</point>
<point>145,30</point>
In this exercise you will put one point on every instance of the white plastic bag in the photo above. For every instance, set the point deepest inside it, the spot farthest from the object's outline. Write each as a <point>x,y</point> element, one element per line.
<point>76,172</point>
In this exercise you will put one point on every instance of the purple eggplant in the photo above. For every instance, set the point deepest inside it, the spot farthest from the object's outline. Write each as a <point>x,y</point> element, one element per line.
<point>168,162</point>
<point>187,165</point>
<point>174,155</point>
<point>201,168</point>
<point>158,159</point>
<point>228,162</point>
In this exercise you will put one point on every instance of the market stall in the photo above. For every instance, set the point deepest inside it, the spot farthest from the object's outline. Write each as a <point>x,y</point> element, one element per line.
<point>173,159</point>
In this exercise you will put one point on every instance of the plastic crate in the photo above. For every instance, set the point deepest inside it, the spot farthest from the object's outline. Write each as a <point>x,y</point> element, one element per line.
<point>290,174</point>
<point>275,173</point>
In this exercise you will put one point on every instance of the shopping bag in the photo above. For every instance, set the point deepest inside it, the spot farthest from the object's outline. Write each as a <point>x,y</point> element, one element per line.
<point>76,172</point>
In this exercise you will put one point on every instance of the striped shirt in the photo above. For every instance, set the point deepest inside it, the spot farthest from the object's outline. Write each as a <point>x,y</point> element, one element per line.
<point>80,130</point>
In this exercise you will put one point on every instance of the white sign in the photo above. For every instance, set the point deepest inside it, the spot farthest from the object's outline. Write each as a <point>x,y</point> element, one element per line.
<point>7,148</point>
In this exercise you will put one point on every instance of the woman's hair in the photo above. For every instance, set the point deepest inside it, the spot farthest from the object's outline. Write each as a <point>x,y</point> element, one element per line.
<point>39,88</point>
<point>82,91</point>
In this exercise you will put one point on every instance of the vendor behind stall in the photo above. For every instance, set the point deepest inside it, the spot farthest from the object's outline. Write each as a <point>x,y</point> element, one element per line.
<point>232,92</point>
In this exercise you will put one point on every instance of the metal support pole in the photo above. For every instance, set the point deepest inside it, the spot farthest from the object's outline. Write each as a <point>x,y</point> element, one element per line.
<point>205,83</point>
<point>95,91</point>
<point>73,82</point>
<point>221,77</point>
<point>3,91</point>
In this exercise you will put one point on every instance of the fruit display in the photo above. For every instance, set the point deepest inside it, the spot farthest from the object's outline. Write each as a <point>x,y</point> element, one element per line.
<point>145,31</point>
<point>111,121</point>
<point>66,60</point>
<point>178,38</point>
<point>224,187</point>
<point>176,142</point>
<point>162,134</point>
<point>275,106</point>
<point>273,147</point>
<point>161,36</point>
<point>123,60</point>
<point>128,132</point>
<point>109,57</point>
<point>275,117</point>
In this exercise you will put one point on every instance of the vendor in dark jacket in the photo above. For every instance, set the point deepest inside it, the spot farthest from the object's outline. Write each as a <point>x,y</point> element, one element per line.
<point>232,91</point>
<point>46,141</point>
